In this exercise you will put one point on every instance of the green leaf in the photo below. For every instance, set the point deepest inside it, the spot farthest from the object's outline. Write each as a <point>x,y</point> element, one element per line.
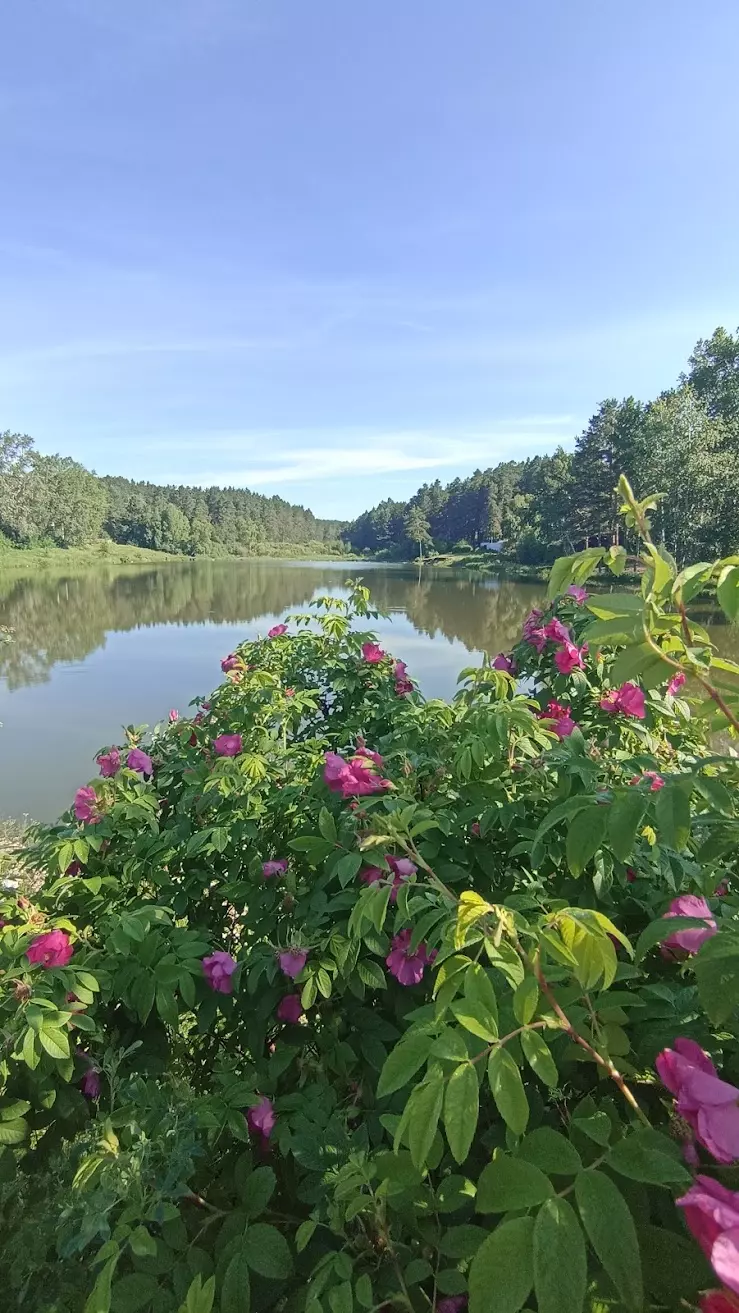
<point>610,605</point>
<point>417,1270</point>
<point>525,1000</point>
<point>56,1042</point>
<point>304,1234</point>
<point>475,1018</point>
<point>13,1132</point>
<point>638,660</point>
<point>236,1285</point>
<point>511,1183</point>
<point>560,1259</point>
<point>257,1189</point>
<point>585,836</point>
<point>502,1271</point>
<point>672,811</point>
<point>479,991</point>
<point>98,1301</point>
<point>371,974</point>
<point>327,825</point>
<point>508,1091</point>
<point>636,1157</point>
<point>717,975</point>
<point>727,592</point>
<point>536,1053</point>
<point>662,928</point>
<point>674,1267</point>
<point>597,1127</point>
<point>199,1297</point>
<point>610,1229</point>
<point>403,1062</point>
<point>340,1298</point>
<point>461,1110</point>
<point>133,1292</point>
<point>551,1151</point>
<point>424,1110</point>
<point>347,867</point>
<point>267,1251</point>
<point>16,1108</point>
<point>141,1242</point>
<point>28,1051</point>
<point>624,819</point>
<point>461,1241</point>
<point>363,1290</point>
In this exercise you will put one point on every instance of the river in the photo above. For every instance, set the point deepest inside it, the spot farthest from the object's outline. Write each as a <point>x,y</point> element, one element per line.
<point>119,645</point>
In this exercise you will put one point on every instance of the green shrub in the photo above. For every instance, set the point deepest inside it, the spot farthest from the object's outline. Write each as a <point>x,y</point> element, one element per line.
<point>378,1030</point>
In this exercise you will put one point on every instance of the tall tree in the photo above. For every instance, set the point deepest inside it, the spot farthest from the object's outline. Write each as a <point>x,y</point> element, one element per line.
<point>418,529</point>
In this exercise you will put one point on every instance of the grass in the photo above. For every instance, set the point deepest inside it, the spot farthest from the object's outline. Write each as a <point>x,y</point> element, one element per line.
<point>109,553</point>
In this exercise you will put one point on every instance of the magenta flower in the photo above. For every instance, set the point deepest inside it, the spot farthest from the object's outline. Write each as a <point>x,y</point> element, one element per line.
<point>373,653</point>
<point>109,763</point>
<point>531,623</point>
<point>657,782</point>
<point>355,777</point>
<point>475,829</point>
<point>403,684</point>
<point>407,967</point>
<point>290,1008</point>
<point>139,761</point>
<point>231,662</point>
<point>630,875</point>
<point>277,631</point>
<point>227,745</point>
<point>712,1214</point>
<point>579,593</point>
<point>85,805</point>
<point>718,1301</point>
<point>91,1084</point>
<point>676,683</point>
<point>292,961</point>
<point>569,658</point>
<point>274,868</point>
<point>628,699</point>
<point>556,632</point>
<point>173,716</point>
<point>685,943</point>
<point>401,869</point>
<point>562,722</point>
<point>452,1304</point>
<point>261,1119</point>
<point>709,1104</point>
<point>52,949</point>
<point>503,662</point>
<point>218,970</point>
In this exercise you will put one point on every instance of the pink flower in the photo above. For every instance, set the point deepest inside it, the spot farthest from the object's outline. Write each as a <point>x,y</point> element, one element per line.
<point>261,1119</point>
<point>629,699</point>
<point>91,1084</point>
<point>292,961</point>
<point>52,949</point>
<point>475,829</point>
<point>403,684</point>
<point>372,653</point>
<point>630,875</point>
<point>274,868</point>
<point>712,1214</point>
<point>407,967</point>
<point>556,632</point>
<point>227,745</point>
<point>401,868</point>
<point>173,716</point>
<point>531,622</point>
<point>290,1008</point>
<point>657,781</point>
<point>676,683</point>
<point>355,777</point>
<point>277,631</point>
<point>139,761</point>
<point>563,724</point>
<point>503,662</point>
<point>719,1301</point>
<point>569,658</point>
<point>709,1104</point>
<point>218,970</point>
<point>685,943</point>
<point>109,762</point>
<point>289,692</point>
<point>85,805</point>
<point>231,662</point>
<point>452,1304</point>
<point>580,594</point>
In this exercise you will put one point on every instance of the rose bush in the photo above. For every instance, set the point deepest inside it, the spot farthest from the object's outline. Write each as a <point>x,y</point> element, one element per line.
<point>339,999</point>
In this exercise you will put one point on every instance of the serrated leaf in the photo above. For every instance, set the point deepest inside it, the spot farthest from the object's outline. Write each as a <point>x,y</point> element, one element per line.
<point>98,1301</point>
<point>257,1189</point>
<point>13,1132</point>
<point>479,990</point>
<point>507,1184</point>
<point>716,969</point>
<point>636,1157</point>
<point>424,1111</point>
<point>502,1272</point>
<point>560,1259</point>
<point>475,1018</point>
<point>327,825</point>
<point>551,1151</point>
<point>132,1292</point>
<point>537,1054</point>
<point>585,836</point>
<point>236,1284</point>
<point>624,818</point>
<point>672,811</point>
<point>525,1000</point>
<point>55,1041</point>
<point>610,1229</point>
<point>508,1091</point>
<point>461,1110</point>
<point>267,1251</point>
<point>403,1062</point>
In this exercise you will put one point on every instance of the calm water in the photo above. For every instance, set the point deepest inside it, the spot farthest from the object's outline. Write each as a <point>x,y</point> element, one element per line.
<point>120,645</point>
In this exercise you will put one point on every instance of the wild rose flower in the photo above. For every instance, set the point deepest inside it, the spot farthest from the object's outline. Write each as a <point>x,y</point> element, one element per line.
<point>562,722</point>
<point>373,653</point>
<point>91,1085</point>
<point>227,745</point>
<point>407,967</point>
<point>401,868</point>
<point>719,1301</point>
<point>290,1009</point>
<point>173,716</point>
<point>139,761</point>
<point>277,631</point>
<point>109,763</point>
<point>685,943</point>
<point>579,593</point>
<point>628,699</point>
<point>355,777</point>
<point>570,657</point>
<point>85,805</point>
<point>261,1119</point>
<point>452,1304</point>
<point>74,868</point>
<point>231,662</point>
<point>709,1104</point>
<point>52,949</point>
<point>630,875</point>
<point>475,829</point>
<point>656,780</point>
<point>712,1215</point>
<point>556,632</point>
<point>676,683</point>
<point>289,692</point>
<point>292,961</point>
<point>403,684</point>
<point>503,662</point>
<point>531,622</point>
<point>274,868</point>
<point>218,970</point>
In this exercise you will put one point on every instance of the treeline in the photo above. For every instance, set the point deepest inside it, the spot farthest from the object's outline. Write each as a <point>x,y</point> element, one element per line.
<point>55,501</point>
<point>684,444</point>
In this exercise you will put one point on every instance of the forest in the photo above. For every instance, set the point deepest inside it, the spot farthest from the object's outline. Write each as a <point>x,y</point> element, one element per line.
<point>685,444</point>
<point>54,501</point>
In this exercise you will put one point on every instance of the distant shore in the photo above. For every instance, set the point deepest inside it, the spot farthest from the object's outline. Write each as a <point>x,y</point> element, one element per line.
<point>106,552</point>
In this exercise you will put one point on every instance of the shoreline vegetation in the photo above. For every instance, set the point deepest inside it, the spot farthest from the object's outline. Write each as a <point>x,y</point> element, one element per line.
<point>106,552</point>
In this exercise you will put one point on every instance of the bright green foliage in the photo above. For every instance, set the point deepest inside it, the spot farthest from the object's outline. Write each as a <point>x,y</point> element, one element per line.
<point>467,1105</point>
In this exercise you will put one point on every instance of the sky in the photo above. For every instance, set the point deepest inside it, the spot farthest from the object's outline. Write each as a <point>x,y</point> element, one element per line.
<point>334,249</point>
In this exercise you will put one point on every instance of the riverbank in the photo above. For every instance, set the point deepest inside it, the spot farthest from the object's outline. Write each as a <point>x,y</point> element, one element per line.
<point>16,559</point>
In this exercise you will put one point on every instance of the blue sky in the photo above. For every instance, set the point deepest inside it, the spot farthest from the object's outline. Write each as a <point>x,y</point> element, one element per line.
<point>331,249</point>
